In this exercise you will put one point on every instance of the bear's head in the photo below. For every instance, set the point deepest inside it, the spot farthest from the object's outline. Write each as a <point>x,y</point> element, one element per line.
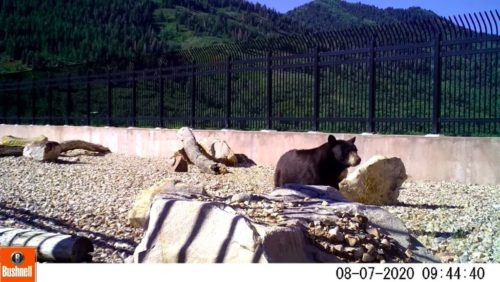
<point>344,151</point>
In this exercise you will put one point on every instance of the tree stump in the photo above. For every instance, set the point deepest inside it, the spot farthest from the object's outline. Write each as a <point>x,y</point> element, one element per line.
<point>196,155</point>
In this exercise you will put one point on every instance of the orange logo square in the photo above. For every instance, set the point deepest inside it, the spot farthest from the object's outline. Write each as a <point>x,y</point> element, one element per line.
<point>17,264</point>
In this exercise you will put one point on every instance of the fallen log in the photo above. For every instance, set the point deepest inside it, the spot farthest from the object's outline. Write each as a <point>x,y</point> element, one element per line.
<point>196,155</point>
<point>83,145</point>
<point>50,246</point>
<point>14,146</point>
<point>11,151</point>
<point>13,141</point>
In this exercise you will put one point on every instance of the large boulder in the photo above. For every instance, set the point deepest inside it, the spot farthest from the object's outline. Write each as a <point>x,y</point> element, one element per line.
<point>42,151</point>
<point>13,141</point>
<point>375,182</point>
<point>138,215</point>
<point>290,225</point>
<point>219,150</point>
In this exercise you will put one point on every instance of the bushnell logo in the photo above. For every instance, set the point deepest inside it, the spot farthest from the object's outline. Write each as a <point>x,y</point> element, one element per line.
<point>17,264</point>
<point>17,258</point>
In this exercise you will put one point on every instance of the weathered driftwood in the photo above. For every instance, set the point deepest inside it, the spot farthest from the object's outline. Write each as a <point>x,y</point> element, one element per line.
<point>14,151</point>
<point>13,141</point>
<point>196,155</point>
<point>83,145</point>
<point>50,246</point>
<point>13,146</point>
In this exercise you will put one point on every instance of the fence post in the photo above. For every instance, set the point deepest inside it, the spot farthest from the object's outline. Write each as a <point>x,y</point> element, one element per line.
<point>371,87</point>
<point>193,93</point>
<point>316,89</point>
<point>88,98</point>
<point>162,97</point>
<point>50,99</point>
<point>228,93</point>
<point>436,86</point>
<point>18,105</point>
<point>109,101</point>
<point>68,101</point>
<point>269,90</point>
<point>134,99</point>
<point>4,105</point>
<point>33,101</point>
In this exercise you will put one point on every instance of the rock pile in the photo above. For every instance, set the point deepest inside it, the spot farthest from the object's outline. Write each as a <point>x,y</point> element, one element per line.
<point>294,224</point>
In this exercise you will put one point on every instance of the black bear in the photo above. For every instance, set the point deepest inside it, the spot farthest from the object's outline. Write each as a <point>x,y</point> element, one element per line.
<point>324,165</point>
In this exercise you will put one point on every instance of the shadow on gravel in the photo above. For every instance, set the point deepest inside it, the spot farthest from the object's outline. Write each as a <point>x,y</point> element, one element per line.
<point>244,161</point>
<point>49,224</point>
<point>459,234</point>
<point>59,161</point>
<point>428,206</point>
<point>83,153</point>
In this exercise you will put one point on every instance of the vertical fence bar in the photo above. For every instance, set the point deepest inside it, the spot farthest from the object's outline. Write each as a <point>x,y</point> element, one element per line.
<point>228,93</point>
<point>316,86</point>
<point>371,87</point>
<point>67,113</point>
<point>193,94</point>
<point>109,100</point>
<point>87,98</point>
<point>18,105</point>
<point>436,86</point>
<point>134,99</point>
<point>3,95</point>
<point>33,101</point>
<point>269,90</point>
<point>50,99</point>
<point>162,97</point>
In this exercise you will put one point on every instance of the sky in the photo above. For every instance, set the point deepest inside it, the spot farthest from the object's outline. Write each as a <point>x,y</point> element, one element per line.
<point>440,7</point>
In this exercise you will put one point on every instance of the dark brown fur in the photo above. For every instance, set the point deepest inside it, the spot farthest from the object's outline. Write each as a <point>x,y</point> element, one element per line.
<point>322,165</point>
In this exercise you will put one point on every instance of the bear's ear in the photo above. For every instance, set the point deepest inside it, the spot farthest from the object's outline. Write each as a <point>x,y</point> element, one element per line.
<point>352,140</point>
<point>331,139</point>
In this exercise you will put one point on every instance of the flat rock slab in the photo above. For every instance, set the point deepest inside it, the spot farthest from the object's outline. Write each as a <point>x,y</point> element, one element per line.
<point>293,224</point>
<point>42,151</point>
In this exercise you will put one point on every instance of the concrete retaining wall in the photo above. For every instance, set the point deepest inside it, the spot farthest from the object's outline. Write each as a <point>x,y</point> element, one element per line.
<point>471,160</point>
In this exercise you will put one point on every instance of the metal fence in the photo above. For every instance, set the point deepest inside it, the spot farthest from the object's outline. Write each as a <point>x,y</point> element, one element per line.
<point>434,76</point>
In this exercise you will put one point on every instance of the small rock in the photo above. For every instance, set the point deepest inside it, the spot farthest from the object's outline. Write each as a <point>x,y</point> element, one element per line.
<point>464,258</point>
<point>336,233</point>
<point>351,240</point>
<point>338,248</point>
<point>367,258</point>
<point>370,248</point>
<point>353,225</point>
<point>385,243</point>
<point>408,253</point>
<point>373,231</point>
<point>358,252</point>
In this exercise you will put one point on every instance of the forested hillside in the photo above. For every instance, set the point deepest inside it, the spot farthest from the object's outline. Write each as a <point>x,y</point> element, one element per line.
<point>36,34</point>
<point>327,15</point>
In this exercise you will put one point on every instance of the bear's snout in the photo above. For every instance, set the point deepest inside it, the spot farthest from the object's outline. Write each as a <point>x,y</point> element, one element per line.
<point>354,159</point>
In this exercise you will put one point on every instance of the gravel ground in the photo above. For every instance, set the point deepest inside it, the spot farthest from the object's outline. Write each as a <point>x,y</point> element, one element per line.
<point>91,195</point>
